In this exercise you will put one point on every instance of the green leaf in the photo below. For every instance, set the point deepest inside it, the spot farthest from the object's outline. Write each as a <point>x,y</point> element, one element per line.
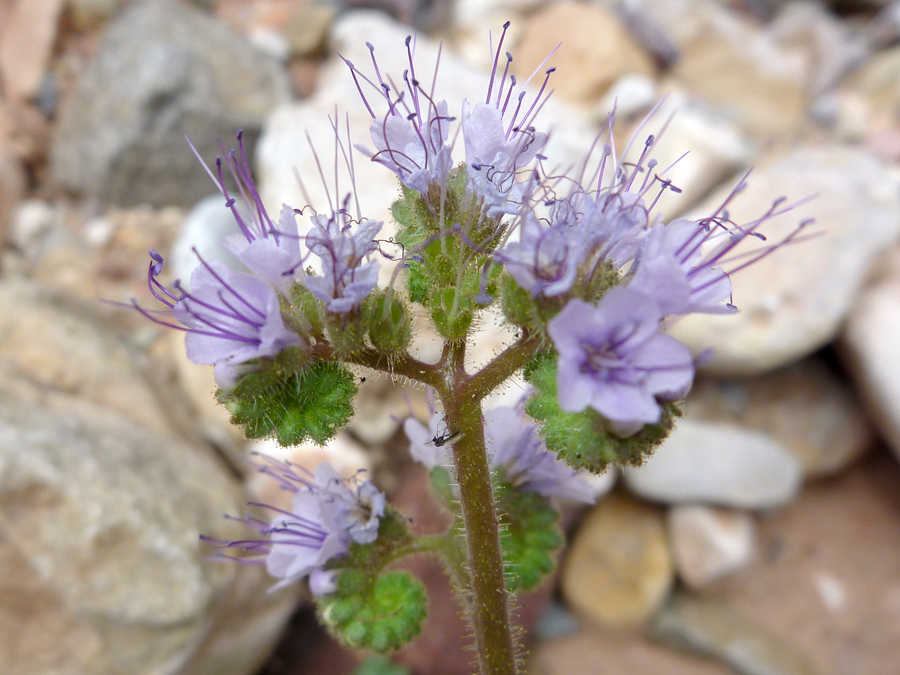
<point>311,403</point>
<point>582,440</point>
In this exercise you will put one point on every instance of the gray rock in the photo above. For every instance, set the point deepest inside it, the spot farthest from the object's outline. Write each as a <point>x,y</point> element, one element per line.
<point>719,464</point>
<point>713,629</point>
<point>795,300</point>
<point>163,71</point>
<point>804,407</point>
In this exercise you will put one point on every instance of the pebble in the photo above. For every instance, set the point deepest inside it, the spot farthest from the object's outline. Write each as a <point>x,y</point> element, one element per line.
<point>596,50</point>
<point>618,569</point>
<point>805,407</point>
<point>711,628</point>
<point>710,543</point>
<point>795,300</point>
<point>869,347</point>
<point>162,72</point>
<point>720,464</point>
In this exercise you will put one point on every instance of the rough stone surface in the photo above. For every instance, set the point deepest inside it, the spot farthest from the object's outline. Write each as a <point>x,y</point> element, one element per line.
<point>58,344</point>
<point>104,516</point>
<point>709,543</point>
<point>710,628</point>
<point>805,407</point>
<point>618,569</point>
<point>596,51</point>
<point>795,300</point>
<point>719,464</point>
<point>870,347</point>
<point>164,71</point>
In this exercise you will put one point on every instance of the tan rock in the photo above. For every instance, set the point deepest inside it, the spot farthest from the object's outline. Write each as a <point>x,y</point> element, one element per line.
<point>794,301</point>
<point>709,543</point>
<point>57,343</point>
<point>12,189</point>
<point>307,29</point>
<point>618,569</point>
<point>26,43</point>
<point>104,515</point>
<point>596,50</point>
<point>728,61</point>
<point>826,580</point>
<point>602,651</point>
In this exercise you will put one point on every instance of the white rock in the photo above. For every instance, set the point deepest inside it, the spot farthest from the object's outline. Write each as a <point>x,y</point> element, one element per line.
<point>870,344</point>
<point>718,464</point>
<point>709,543</point>
<point>794,301</point>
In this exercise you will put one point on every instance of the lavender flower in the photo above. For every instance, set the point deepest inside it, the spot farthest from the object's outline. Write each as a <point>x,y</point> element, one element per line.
<point>613,359</point>
<point>327,514</point>
<point>229,317</point>
<point>513,445</point>
<point>272,253</point>
<point>345,281</point>
<point>411,138</point>
<point>546,259</point>
<point>497,150</point>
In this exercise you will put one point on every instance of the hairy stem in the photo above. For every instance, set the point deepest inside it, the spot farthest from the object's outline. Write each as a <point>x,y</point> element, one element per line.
<point>489,608</point>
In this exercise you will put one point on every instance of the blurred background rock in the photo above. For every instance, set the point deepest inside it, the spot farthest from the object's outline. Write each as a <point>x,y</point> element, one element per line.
<point>763,538</point>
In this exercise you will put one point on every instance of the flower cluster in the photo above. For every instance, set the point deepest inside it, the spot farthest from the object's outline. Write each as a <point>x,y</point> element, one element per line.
<point>327,514</point>
<point>582,265</point>
<point>232,317</point>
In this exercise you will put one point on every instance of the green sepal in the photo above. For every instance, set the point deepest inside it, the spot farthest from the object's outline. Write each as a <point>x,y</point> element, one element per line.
<point>417,283</point>
<point>529,535</point>
<point>383,617</point>
<point>390,331</point>
<point>583,440</point>
<point>516,303</point>
<point>314,402</point>
<point>451,312</point>
<point>372,609</point>
<point>307,305</point>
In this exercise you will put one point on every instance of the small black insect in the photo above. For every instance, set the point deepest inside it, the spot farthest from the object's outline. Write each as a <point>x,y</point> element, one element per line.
<point>362,380</point>
<point>444,438</point>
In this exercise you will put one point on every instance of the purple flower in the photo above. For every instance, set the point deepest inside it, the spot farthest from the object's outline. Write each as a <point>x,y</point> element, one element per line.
<point>497,150</point>
<point>274,258</point>
<point>515,446</point>
<point>327,514</point>
<point>613,359</point>
<point>411,138</point>
<point>229,317</point>
<point>545,261</point>
<point>272,253</point>
<point>345,281</point>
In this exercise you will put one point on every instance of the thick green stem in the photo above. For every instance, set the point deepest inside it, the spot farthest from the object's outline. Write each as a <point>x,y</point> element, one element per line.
<point>490,603</point>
